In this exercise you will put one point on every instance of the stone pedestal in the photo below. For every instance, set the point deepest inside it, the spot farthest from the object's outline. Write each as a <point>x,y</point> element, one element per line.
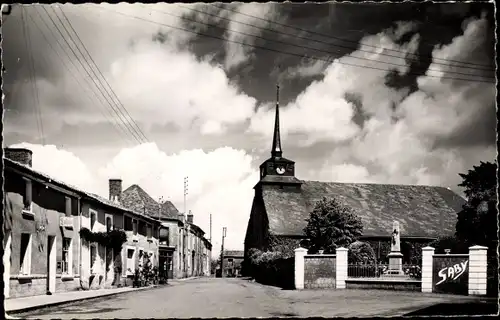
<point>395,263</point>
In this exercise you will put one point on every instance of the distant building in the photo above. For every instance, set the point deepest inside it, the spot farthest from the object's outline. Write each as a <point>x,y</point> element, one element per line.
<point>232,263</point>
<point>184,251</point>
<point>43,250</point>
<point>282,203</point>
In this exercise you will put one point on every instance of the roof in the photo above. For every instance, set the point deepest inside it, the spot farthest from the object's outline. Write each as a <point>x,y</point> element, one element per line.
<point>72,188</point>
<point>422,211</point>
<point>234,253</point>
<point>135,197</point>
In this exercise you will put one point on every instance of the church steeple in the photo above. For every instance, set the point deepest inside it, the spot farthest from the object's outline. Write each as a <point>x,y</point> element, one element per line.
<point>276,151</point>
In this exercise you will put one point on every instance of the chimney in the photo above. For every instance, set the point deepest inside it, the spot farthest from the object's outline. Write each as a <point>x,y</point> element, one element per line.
<point>20,155</point>
<point>115,190</point>
<point>190,217</point>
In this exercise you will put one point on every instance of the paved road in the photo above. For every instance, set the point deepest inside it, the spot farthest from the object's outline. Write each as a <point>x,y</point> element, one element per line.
<point>215,298</point>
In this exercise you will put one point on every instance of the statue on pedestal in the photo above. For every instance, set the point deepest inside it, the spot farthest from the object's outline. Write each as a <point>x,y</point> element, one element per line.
<point>395,256</point>
<point>396,243</point>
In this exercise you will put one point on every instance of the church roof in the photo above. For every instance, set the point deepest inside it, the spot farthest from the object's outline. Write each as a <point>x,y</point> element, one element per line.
<point>422,211</point>
<point>136,198</point>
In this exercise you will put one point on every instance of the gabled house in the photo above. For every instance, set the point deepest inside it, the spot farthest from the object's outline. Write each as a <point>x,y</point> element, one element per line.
<point>282,203</point>
<point>183,250</point>
<point>232,260</point>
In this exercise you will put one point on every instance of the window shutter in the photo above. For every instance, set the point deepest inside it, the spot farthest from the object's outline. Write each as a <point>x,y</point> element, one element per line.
<point>68,207</point>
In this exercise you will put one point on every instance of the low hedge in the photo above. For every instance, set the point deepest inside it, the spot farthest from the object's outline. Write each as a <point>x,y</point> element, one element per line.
<point>271,268</point>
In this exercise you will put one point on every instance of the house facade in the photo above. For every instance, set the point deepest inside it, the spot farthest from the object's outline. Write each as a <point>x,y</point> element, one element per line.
<point>282,203</point>
<point>183,249</point>
<point>232,262</point>
<point>44,251</point>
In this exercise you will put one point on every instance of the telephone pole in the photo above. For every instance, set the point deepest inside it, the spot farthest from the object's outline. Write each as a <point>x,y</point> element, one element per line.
<point>224,229</point>
<point>210,228</point>
<point>186,188</point>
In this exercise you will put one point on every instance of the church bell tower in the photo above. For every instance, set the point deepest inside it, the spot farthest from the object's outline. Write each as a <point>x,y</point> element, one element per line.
<point>277,169</point>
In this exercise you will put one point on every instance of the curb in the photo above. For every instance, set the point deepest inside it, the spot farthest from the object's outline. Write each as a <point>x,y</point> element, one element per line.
<point>58,303</point>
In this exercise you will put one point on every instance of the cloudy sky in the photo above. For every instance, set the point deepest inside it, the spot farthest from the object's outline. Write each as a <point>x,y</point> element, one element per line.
<point>153,93</point>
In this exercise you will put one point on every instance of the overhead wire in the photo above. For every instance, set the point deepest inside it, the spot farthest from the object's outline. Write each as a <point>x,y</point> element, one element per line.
<point>308,39</point>
<point>345,40</point>
<point>280,51</point>
<point>114,108</point>
<point>100,73</point>
<point>32,77</point>
<point>145,138</point>
<point>119,129</point>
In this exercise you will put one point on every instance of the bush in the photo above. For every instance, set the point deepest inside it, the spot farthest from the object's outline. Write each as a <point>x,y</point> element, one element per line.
<point>361,253</point>
<point>271,268</point>
<point>452,243</point>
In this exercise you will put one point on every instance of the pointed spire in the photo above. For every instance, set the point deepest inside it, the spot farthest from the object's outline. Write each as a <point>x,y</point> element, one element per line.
<point>276,149</point>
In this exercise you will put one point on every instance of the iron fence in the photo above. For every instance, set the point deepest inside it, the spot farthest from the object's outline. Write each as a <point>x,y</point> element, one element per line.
<point>410,271</point>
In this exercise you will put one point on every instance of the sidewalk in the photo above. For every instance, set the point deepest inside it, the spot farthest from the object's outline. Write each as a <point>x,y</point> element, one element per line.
<point>25,304</point>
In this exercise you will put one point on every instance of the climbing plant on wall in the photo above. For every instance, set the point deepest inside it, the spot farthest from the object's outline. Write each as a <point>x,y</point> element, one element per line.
<point>111,239</point>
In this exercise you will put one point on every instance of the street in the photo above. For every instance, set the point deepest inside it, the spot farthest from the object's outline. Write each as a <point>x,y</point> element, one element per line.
<point>215,297</point>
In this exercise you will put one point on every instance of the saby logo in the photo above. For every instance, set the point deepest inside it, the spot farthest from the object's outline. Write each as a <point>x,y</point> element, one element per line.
<point>452,272</point>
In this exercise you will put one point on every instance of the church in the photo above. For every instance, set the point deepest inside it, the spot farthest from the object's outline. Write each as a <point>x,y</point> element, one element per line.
<point>282,203</point>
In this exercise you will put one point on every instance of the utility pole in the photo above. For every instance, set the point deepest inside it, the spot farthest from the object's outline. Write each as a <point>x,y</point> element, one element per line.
<point>186,182</point>
<point>159,207</point>
<point>210,228</point>
<point>224,229</point>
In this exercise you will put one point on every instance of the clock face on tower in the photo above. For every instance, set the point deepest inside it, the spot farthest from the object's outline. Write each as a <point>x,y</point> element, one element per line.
<point>280,170</point>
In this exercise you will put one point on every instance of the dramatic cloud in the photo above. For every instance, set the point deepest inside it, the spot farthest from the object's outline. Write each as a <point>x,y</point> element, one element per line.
<point>220,181</point>
<point>403,151</point>
<point>236,53</point>
<point>179,90</point>
<point>322,111</point>
<point>61,165</point>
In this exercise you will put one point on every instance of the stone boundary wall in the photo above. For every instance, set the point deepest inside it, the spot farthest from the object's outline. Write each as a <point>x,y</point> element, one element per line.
<point>320,271</point>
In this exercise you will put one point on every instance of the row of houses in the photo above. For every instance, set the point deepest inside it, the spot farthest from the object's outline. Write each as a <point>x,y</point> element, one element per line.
<point>46,228</point>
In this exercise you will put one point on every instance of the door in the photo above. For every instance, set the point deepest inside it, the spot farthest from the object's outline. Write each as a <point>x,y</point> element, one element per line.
<point>51,264</point>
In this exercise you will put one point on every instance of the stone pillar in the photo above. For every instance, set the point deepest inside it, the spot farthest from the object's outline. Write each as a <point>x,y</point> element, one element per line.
<point>427,256</point>
<point>341,268</point>
<point>299,267</point>
<point>477,270</point>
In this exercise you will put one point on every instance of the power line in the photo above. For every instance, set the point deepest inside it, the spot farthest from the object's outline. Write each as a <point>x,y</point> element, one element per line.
<point>93,80</point>
<point>137,131</point>
<point>283,52</point>
<point>104,78</point>
<point>310,48</point>
<point>116,126</point>
<point>32,76</point>
<point>345,40</point>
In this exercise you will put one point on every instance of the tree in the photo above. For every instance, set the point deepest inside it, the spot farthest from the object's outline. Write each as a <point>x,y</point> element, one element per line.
<point>332,224</point>
<point>477,222</point>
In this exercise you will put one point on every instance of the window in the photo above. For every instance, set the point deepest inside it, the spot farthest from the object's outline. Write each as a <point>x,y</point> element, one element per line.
<point>68,207</point>
<point>109,222</point>
<point>67,256</point>
<point>128,224</point>
<point>93,256</point>
<point>165,236</point>
<point>25,257</point>
<point>149,231</point>
<point>93,219</point>
<point>130,261</point>
<point>134,226</point>
<point>229,262</point>
<point>28,204</point>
